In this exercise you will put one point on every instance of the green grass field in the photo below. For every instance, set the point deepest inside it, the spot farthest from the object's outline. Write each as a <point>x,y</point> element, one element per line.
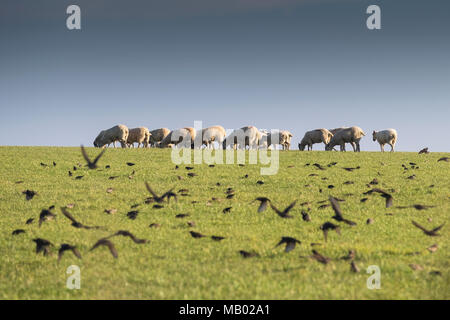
<point>176,266</point>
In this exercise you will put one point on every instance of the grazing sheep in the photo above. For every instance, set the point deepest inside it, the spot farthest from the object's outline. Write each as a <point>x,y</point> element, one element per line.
<point>246,136</point>
<point>315,136</point>
<point>192,132</point>
<point>117,133</point>
<point>383,137</point>
<point>179,137</point>
<point>282,138</point>
<point>211,134</point>
<point>350,135</point>
<point>158,135</point>
<point>139,135</point>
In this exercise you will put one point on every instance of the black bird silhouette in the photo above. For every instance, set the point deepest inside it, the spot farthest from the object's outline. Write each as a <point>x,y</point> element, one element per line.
<point>93,164</point>
<point>196,234</point>
<point>351,169</point>
<point>320,258</point>
<point>247,254</point>
<point>329,226</point>
<point>384,194</point>
<point>29,221</point>
<point>109,244</point>
<point>75,223</point>
<point>159,199</point>
<point>290,243</point>
<point>29,194</point>
<point>424,150</point>
<point>337,212</point>
<point>284,213</point>
<point>126,233</point>
<point>416,206</point>
<point>46,215</point>
<point>130,164</point>
<point>446,159</point>
<point>133,214</point>
<point>64,247</point>
<point>182,215</point>
<point>318,166</point>
<point>227,209</point>
<point>43,246</point>
<point>305,216</point>
<point>431,233</point>
<point>217,238</point>
<point>18,231</point>
<point>263,203</point>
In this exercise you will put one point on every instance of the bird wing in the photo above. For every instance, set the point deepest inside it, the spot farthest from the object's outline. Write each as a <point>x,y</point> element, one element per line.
<point>85,156</point>
<point>336,207</point>
<point>438,228</point>
<point>99,156</point>
<point>263,205</point>
<point>419,226</point>
<point>68,215</point>
<point>289,246</point>
<point>112,248</point>
<point>76,252</point>
<point>289,207</point>
<point>151,191</point>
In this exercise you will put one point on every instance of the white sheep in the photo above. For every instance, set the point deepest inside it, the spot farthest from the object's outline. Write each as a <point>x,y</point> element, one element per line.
<point>158,135</point>
<point>350,135</point>
<point>315,136</point>
<point>138,135</point>
<point>388,136</point>
<point>116,133</point>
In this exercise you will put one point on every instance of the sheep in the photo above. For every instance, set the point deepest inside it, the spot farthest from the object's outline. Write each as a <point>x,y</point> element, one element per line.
<point>246,136</point>
<point>179,137</point>
<point>139,135</point>
<point>315,136</point>
<point>117,133</point>
<point>211,134</point>
<point>350,135</point>
<point>158,135</point>
<point>388,136</point>
<point>335,130</point>
<point>282,138</point>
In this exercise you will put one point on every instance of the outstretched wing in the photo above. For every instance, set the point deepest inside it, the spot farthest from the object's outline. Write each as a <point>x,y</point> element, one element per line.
<point>419,226</point>
<point>336,207</point>
<point>85,156</point>
<point>68,215</point>
<point>151,191</point>
<point>99,156</point>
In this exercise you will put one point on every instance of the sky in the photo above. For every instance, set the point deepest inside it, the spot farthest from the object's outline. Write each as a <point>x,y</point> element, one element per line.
<point>294,65</point>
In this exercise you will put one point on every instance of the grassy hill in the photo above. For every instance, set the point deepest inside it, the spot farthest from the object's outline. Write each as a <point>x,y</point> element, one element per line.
<point>174,265</point>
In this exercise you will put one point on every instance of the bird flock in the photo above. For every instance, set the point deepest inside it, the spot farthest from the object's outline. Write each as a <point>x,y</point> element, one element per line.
<point>339,218</point>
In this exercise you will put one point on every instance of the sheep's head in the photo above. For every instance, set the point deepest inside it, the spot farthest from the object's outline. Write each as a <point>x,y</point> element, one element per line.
<point>301,147</point>
<point>374,135</point>
<point>328,147</point>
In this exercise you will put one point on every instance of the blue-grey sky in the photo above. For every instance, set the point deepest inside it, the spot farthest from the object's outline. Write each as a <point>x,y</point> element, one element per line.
<point>284,64</point>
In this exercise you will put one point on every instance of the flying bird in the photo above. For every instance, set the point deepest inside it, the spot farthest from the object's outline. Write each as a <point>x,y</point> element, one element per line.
<point>284,213</point>
<point>290,243</point>
<point>217,238</point>
<point>43,245</point>
<point>160,199</point>
<point>327,226</point>
<point>338,213</point>
<point>29,194</point>
<point>107,243</point>
<point>196,234</point>
<point>384,194</point>
<point>46,215</point>
<point>446,159</point>
<point>320,258</point>
<point>17,232</point>
<point>64,247</point>
<point>91,164</point>
<point>128,234</point>
<point>424,150</point>
<point>75,223</point>
<point>431,233</point>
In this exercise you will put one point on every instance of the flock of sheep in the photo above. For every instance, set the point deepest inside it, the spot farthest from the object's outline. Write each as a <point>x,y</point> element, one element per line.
<point>248,136</point>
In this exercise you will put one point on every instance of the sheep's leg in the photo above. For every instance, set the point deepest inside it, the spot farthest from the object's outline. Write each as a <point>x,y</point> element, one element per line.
<point>382,147</point>
<point>114,144</point>
<point>392,147</point>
